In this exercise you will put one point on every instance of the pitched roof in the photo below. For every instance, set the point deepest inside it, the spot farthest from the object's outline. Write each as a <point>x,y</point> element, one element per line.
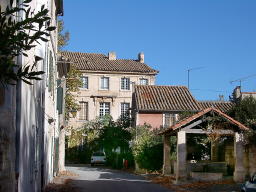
<point>164,98</point>
<point>100,62</point>
<point>223,106</point>
<point>187,120</point>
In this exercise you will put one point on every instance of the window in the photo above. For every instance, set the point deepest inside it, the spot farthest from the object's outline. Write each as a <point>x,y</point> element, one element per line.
<point>143,81</point>
<point>104,109</point>
<point>169,119</point>
<point>104,83</point>
<point>85,82</point>
<point>125,83</point>
<point>83,113</point>
<point>125,110</point>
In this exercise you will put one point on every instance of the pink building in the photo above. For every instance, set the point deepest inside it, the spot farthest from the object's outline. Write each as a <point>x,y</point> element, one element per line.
<point>160,106</point>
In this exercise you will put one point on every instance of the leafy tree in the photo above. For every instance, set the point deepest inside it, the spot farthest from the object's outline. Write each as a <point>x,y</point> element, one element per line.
<point>63,37</point>
<point>147,148</point>
<point>245,112</point>
<point>114,136</point>
<point>73,82</point>
<point>18,37</point>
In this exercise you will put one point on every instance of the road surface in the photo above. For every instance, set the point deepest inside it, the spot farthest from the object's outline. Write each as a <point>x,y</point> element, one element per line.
<point>100,179</point>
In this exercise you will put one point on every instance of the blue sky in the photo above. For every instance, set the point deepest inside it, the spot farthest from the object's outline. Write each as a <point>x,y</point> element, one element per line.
<point>175,35</point>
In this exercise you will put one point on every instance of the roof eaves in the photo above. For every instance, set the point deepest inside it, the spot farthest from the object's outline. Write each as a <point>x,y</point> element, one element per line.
<point>199,114</point>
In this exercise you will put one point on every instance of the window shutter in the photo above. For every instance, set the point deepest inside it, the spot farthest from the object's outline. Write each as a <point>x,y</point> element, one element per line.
<point>50,87</point>
<point>59,97</point>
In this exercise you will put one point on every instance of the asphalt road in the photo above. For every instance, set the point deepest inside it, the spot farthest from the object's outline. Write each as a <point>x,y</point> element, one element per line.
<point>99,179</point>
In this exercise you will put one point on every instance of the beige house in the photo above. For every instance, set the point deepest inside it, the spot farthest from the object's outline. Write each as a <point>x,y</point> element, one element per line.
<point>108,84</point>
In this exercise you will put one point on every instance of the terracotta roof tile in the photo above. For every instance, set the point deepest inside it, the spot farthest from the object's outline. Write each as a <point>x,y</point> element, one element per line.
<point>223,106</point>
<point>164,98</point>
<point>187,120</point>
<point>100,62</point>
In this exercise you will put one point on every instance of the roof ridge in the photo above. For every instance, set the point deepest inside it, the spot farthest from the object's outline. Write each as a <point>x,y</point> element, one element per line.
<point>181,86</point>
<point>101,62</point>
<point>65,51</point>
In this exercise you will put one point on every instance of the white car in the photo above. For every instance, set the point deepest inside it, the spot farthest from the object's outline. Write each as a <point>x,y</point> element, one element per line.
<point>98,158</point>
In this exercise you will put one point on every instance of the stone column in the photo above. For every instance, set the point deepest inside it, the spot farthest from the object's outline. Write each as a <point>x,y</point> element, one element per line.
<point>214,151</point>
<point>239,173</point>
<point>181,156</point>
<point>252,159</point>
<point>167,162</point>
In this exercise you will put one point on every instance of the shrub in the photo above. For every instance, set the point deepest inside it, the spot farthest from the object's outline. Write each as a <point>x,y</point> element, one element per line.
<point>147,148</point>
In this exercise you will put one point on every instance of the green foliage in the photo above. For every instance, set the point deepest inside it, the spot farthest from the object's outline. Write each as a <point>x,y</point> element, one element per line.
<point>18,37</point>
<point>198,147</point>
<point>245,112</point>
<point>185,114</point>
<point>114,136</point>
<point>63,37</point>
<point>147,148</point>
<point>100,134</point>
<point>73,82</point>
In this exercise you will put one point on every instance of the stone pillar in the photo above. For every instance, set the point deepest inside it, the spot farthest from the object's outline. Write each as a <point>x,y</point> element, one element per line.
<point>167,163</point>
<point>252,159</point>
<point>181,156</point>
<point>239,173</point>
<point>214,151</point>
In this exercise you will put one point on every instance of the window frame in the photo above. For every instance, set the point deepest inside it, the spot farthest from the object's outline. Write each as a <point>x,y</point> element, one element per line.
<point>144,79</point>
<point>82,87</point>
<point>85,116</point>
<point>103,108</point>
<point>125,84</point>
<point>172,119</point>
<point>102,83</point>
<point>122,112</point>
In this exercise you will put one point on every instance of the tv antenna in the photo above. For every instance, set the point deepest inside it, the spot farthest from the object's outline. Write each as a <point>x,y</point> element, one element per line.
<point>240,80</point>
<point>192,69</point>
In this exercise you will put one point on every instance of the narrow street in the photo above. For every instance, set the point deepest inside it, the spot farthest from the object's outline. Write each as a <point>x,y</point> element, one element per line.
<point>98,179</point>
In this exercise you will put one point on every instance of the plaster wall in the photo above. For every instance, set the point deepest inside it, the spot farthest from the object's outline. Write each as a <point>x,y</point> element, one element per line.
<point>24,113</point>
<point>7,133</point>
<point>154,119</point>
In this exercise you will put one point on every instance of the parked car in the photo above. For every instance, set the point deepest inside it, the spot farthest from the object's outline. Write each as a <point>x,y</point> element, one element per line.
<point>250,186</point>
<point>98,158</point>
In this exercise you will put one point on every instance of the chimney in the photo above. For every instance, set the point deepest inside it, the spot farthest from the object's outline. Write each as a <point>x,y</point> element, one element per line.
<point>112,56</point>
<point>141,57</point>
<point>237,92</point>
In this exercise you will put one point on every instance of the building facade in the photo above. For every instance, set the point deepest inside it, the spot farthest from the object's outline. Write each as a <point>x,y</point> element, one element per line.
<point>108,84</point>
<point>161,106</point>
<point>29,115</point>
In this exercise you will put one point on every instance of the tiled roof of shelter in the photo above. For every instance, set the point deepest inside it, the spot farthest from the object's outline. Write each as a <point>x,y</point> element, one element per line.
<point>224,106</point>
<point>101,62</point>
<point>164,98</point>
<point>187,120</point>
